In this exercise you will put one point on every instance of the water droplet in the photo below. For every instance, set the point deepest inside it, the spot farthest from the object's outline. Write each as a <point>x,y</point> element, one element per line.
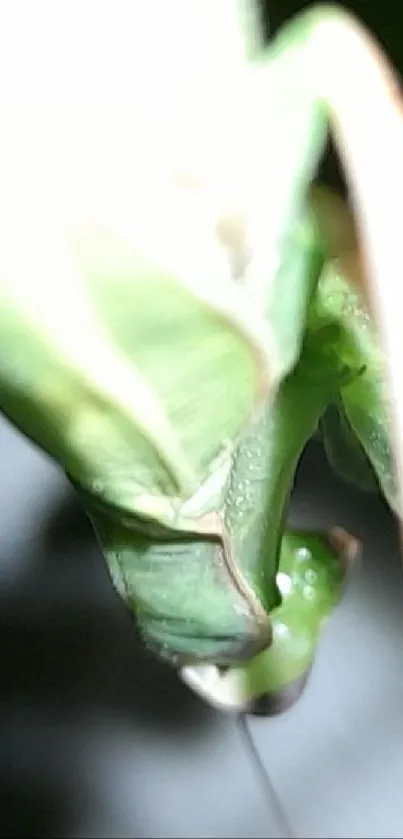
<point>303,554</point>
<point>284,583</point>
<point>311,576</point>
<point>281,630</point>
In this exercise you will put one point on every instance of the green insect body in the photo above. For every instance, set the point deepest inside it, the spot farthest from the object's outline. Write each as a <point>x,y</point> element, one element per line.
<point>357,439</point>
<point>188,604</point>
<point>344,452</point>
<point>194,601</point>
<point>198,598</point>
<point>179,399</point>
<point>311,577</point>
<point>312,574</point>
<point>339,352</point>
<point>355,429</point>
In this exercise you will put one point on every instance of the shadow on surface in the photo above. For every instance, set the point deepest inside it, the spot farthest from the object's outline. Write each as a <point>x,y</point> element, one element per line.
<point>71,659</point>
<point>69,651</point>
<point>65,635</point>
<point>38,804</point>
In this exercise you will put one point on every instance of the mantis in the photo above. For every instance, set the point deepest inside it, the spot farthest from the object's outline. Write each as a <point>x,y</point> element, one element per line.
<point>173,333</point>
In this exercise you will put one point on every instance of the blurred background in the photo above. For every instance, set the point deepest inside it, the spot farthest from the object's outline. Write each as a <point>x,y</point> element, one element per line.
<point>97,739</point>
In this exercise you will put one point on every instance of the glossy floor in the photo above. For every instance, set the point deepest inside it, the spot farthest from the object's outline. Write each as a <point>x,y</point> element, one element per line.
<point>98,740</point>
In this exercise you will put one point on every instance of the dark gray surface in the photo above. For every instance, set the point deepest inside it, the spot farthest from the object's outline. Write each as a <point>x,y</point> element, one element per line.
<point>97,739</point>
